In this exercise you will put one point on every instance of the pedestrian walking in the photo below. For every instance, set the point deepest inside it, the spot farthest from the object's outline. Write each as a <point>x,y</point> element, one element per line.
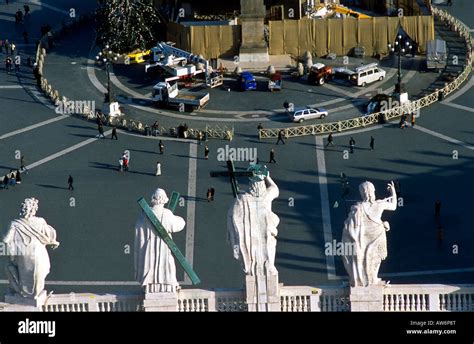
<point>161,146</point>
<point>70,180</point>
<point>125,163</point>
<point>206,152</point>
<point>440,234</point>
<point>413,120</point>
<point>200,137</point>
<point>280,137</point>
<point>114,133</point>
<point>352,144</point>
<point>6,181</point>
<point>8,64</point>
<point>330,140</point>
<point>23,164</point>
<point>12,48</point>
<point>403,122</point>
<point>121,164</point>
<point>27,10</point>
<point>18,177</point>
<point>450,3</point>
<point>210,194</point>
<point>437,209</point>
<point>101,131</point>
<point>272,156</point>
<point>372,143</point>
<point>158,168</point>
<point>18,16</point>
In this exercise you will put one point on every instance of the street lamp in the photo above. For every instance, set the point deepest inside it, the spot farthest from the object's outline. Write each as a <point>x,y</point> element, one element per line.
<point>107,56</point>
<point>402,46</point>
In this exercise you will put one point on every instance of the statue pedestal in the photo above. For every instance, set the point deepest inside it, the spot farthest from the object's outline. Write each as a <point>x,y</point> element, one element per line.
<point>402,98</point>
<point>253,48</point>
<point>25,301</point>
<point>367,299</point>
<point>160,302</point>
<point>111,109</point>
<point>263,293</point>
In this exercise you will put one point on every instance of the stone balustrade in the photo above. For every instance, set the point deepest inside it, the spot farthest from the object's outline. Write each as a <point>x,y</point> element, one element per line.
<point>428,298</point>
<point>396,298</point>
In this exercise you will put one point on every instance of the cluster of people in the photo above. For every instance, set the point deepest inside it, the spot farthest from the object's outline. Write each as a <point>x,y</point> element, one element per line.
<point>9,47</point>
<point>12,178</point>
<point>124,162</point>
<point>183,131</point>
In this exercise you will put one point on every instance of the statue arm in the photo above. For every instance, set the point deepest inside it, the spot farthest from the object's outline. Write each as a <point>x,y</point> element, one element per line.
<point>390,203</point>
<point>177,222</point>
<point>272,188</point>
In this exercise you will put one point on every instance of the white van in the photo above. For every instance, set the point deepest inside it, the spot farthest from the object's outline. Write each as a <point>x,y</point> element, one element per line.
<point>367,74</point>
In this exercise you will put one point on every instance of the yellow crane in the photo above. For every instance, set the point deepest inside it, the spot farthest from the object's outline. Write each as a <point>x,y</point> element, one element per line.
<point>348,12</point>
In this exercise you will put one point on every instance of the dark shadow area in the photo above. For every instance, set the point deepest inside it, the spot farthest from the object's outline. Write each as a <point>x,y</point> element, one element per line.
<point>52,186</point>
<point>103,166</point>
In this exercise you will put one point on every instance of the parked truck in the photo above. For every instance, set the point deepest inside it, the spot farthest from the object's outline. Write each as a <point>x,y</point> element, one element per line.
<point>319,74</point>
<point>274,84</point>
<point>166,94</point>
<point>180,63</point>
<point>247,81</point>
<point>436,54</point>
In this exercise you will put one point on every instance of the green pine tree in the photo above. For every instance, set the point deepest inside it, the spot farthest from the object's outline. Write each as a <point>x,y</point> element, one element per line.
<point>126,25</point>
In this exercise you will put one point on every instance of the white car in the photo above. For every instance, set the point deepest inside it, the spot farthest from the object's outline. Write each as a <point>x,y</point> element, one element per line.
<point>301,114</point>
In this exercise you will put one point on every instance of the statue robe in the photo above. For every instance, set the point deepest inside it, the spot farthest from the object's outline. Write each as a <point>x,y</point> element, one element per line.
<point>154,262</point>
<point>29,260</point>
<point>367,236</point>
<point>252,226</point>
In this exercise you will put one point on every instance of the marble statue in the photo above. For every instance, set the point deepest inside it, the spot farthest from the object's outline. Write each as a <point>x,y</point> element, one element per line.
<point>155,268</point>
<point>365,232</point>
<point>26,241</point>
<point>252,226</point>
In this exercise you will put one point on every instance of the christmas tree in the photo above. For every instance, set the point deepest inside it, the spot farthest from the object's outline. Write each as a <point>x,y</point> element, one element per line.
<point>126,25</point>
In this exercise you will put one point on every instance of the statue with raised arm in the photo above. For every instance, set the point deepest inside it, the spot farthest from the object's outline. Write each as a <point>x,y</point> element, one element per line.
<point>252,226</point>
<point>155,268</point>
<point>365,232</point>
<point>26,241</point>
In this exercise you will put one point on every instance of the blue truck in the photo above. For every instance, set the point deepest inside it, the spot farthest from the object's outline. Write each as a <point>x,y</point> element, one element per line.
<point>247,81</point>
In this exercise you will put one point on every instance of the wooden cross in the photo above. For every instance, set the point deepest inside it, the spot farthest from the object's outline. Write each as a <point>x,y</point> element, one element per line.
<point>253,171</point>
<point>164,235</point>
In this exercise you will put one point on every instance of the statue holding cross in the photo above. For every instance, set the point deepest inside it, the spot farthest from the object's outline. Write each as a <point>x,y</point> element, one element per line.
<point>155,267</point>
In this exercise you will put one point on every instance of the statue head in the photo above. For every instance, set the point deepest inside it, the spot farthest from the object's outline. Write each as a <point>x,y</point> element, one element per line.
<point>29,207</point>
<point>159,197</point>
<point>367,191</point>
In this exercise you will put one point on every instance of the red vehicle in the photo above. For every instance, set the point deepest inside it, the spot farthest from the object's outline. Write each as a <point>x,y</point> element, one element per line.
<point>274,84</point>
<point>319,74</point>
